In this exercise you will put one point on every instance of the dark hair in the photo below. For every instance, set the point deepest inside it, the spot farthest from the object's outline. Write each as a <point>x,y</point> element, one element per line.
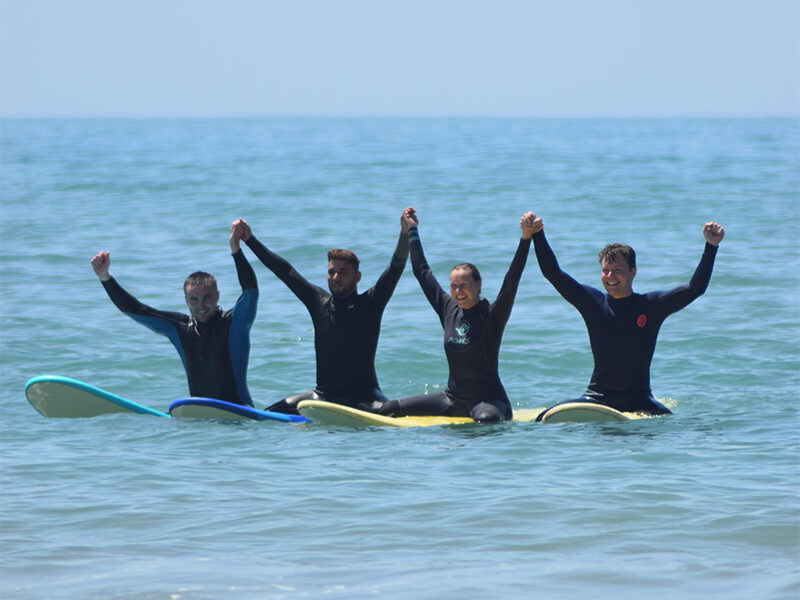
<point>615,252</point>
<point>199,278</point>
<point>341,254</point>
<point>469,268</point>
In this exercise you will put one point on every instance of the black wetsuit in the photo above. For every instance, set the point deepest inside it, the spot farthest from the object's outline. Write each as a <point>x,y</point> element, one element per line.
<point>471,343</point>
<point>215,352</point>
<point>346,332</point>
<point>623,332</point>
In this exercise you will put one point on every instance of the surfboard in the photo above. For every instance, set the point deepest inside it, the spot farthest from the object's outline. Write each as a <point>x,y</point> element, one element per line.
<point>209,408</point>
<point>328,413</point>
<point>584,412</point>
<point>62,397</point>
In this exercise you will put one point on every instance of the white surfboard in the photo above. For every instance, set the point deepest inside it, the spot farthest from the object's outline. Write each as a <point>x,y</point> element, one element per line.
<point>583,412</point>
<point>62,397</point>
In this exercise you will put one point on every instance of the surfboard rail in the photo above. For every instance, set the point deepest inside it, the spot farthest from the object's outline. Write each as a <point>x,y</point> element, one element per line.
<point>329,413</point>
<point>210,408</point>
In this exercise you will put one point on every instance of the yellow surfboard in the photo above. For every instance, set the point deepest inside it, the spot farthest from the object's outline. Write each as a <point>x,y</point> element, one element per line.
<point>328,413</point>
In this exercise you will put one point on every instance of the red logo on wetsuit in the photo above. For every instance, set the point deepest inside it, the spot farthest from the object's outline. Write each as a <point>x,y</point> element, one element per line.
<point>641,321</point>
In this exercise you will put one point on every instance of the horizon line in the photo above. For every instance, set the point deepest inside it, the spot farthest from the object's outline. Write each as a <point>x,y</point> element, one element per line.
<point>398,116</point>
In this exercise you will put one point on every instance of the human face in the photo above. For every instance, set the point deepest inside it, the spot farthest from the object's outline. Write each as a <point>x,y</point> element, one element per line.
<point>617,278</point>
<point>202,301</point>
<point>342,277</point>
<point>464,289</point>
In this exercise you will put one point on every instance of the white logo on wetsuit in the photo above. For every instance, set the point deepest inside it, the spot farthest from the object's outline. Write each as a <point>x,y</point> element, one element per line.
<point>462,330</point>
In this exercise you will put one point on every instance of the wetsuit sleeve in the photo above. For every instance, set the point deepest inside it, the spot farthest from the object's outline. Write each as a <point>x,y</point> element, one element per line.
<point>387,282</point>
<point>572,291</point>
<point>674,300</point>
<point>242,317</point>
<point>422,271</point>
<point>244,313</point>
<point>162,322</point>
<point>306,292</point>
<point>501,309</point>
<point>247,277</point>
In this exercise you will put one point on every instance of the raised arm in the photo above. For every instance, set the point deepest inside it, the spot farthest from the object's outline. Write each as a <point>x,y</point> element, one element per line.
<point>301,288</point>
<point>713,233</point>
<point>572,291</point>
<point>422,271</point>
<point>162,322</point>
<point>101,262</point>
<point>501,308</point>
<point>401,250</point>
<point>247,277</point>
<point>384,288</point>
<point>675,299</point>
<point>244,312</point>
<point>125,302</point>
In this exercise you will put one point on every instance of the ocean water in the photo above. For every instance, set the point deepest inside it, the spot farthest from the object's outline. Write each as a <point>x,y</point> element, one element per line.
<point>704,503</point>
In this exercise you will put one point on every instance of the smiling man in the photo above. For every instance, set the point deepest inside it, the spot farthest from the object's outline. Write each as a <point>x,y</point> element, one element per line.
<point>346,324</point>
<point>214,345</point>
<point>623,326</point>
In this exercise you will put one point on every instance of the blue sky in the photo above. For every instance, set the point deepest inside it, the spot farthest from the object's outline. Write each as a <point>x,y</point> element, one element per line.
<point>536,58</point>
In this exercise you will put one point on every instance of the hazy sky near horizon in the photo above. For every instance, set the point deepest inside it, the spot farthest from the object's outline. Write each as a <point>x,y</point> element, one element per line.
<point>537,58</point>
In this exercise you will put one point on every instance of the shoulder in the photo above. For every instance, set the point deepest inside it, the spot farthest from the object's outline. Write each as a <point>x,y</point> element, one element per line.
<point>365,298</point>
<point>594,293</point>
<point>657,295</point>
<point>180,319</point>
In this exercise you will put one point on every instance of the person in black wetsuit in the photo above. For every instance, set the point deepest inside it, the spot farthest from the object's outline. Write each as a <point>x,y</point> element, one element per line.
<point>346,324</point>
<point>473,330</point>
<point>214,346</point>
<point>623,326</point>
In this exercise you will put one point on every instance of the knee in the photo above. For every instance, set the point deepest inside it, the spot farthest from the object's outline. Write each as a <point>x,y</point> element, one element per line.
<point>487,415</point>
<point>289,405</point>
<point>658,407</point>
<point>389,408</point>
<point>283,407</point>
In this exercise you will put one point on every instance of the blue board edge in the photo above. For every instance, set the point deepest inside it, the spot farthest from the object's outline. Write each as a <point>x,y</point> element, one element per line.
<point>85,387</point>
<point>245,411</point>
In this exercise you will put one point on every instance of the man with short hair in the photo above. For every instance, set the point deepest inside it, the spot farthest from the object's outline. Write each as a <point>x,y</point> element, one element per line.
<point>346,324</point>
<point>622,325</point>
<point>214,345</point>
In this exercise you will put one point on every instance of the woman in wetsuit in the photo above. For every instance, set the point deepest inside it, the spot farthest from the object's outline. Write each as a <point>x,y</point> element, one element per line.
<point>473,330</point>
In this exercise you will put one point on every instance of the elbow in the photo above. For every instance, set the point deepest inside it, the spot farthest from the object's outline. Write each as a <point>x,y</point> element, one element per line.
<point>548,273</point>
